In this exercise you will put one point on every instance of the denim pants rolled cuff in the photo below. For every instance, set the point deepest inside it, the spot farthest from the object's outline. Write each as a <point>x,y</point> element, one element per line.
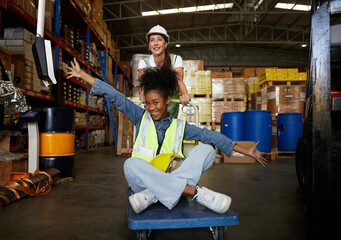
<point>176,195</point>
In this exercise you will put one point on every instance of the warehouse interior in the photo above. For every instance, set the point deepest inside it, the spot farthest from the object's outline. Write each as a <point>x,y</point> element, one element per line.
<point>256,71</point>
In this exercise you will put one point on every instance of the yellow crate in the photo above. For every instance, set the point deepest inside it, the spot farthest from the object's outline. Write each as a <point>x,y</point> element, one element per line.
<point>270,70</point>
<point>282,74</point>
<point>268,74</point>
<point>292,70</point>
<point>302,76</point>
<point>293,76</point>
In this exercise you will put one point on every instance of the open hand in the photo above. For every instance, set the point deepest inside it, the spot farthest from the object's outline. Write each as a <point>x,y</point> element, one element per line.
<point>75,70</point>
<point>253,152</point>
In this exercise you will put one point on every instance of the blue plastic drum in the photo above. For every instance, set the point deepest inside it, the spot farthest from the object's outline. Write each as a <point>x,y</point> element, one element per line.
<point>257,127</point>
<point>232,125</point>
<point>289,130</point>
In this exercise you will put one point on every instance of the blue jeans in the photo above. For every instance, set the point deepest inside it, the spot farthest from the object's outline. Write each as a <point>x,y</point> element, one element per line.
<point>168,187</point>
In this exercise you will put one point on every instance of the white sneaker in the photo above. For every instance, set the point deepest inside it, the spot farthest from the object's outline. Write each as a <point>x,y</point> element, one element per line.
<point>217,202</point>
<point>141,200</point>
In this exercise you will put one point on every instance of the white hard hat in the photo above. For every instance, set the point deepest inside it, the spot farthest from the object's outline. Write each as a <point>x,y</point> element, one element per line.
<point>158,30</point>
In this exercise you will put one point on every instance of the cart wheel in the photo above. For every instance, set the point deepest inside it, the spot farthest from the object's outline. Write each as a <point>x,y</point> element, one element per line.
<point>142,234</point>
<point>217,232</point>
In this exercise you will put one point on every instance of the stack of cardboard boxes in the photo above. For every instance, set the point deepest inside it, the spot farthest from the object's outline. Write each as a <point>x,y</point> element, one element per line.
<point>19,41</point>
<point>228,95</point>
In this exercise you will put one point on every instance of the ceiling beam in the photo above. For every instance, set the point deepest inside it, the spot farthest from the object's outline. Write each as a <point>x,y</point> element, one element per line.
<point>217,34</point>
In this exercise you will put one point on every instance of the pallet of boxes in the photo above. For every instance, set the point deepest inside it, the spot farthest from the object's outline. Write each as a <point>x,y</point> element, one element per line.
<point>282,90</point>
<point>199,85</point>
<point>228,95</point>
<point>18,42</point>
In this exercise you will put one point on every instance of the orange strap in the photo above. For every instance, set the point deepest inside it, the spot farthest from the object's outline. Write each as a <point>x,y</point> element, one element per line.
<point>43,187</point>
<point>7,201</point>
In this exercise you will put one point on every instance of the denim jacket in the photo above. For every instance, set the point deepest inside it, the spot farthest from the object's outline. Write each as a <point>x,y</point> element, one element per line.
<point>135,113</point>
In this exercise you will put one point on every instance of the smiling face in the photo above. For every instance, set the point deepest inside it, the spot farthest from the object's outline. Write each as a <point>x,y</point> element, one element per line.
<point>157,44</point>
<point>156,105</point>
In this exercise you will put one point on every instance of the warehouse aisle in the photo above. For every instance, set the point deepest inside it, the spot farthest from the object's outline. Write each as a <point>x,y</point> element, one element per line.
<point>93,206</point>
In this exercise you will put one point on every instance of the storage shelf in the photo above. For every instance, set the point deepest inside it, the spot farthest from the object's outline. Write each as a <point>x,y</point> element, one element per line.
<point>76,105</point>
<point>96,110</point>
<point>78,82</point>
<point>96,127</point>
<point>72,16</point>
<point>60,43</point>
<point>84,127</point>
<point>36,94</point>
<point>84,107</point>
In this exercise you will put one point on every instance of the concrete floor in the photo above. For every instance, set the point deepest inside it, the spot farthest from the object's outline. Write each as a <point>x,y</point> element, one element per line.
<point>93,206</point>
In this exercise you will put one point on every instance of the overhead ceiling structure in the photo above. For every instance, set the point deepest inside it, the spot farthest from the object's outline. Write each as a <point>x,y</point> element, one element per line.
<point>221,32</point>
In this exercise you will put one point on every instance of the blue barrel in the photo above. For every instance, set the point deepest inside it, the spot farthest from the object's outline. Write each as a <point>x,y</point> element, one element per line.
<point>232,125</point>
<point>257,127</point>
<point>289,130</point>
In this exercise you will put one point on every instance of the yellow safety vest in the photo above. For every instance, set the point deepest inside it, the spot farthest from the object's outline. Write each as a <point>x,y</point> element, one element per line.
<point>146,144</point>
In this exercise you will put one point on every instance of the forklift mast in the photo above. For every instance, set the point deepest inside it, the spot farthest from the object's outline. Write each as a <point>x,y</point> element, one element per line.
<point>318,152</point>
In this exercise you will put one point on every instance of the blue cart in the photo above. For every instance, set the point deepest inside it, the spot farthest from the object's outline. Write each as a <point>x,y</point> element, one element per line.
<point>186,214</point>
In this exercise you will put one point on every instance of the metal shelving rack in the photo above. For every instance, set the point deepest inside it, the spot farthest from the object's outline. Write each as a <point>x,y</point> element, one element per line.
<point>91,35</point>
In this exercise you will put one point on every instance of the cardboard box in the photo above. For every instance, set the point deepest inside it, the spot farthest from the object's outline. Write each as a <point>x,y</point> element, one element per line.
<point>193,65</point>
<point>5,58</point>
<point>221,74</point>
<point>19,33</point>
<point>240,158</point>
<point>7,166</point>
<point>249,72</point>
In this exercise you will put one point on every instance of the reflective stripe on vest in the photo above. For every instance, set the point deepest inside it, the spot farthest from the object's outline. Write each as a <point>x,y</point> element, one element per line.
<point>146,143</point>
<point>171,107</point>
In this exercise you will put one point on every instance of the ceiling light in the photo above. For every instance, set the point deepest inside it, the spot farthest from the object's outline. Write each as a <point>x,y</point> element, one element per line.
<point>301,7</point>
<point>206,7</point>
<point>169,11</point>
<point>224,5</point>
<point>304,45</point>
<point>290,6</point>
<point>189,9</point>
<point>150,13</point>
<point>285,5</point>
<point>177,45</point>
<point>258,4</point>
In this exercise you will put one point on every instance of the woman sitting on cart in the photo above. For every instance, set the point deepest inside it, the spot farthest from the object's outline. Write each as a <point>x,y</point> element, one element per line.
<point>158,132</point>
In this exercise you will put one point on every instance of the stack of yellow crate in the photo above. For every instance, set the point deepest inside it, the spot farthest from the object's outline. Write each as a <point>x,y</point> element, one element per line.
<point>302,76</point>
<point>252,85</point>
<point>282,74</point>
<point>269,74</point>
<point>293,74</point>
<point>198,82</point>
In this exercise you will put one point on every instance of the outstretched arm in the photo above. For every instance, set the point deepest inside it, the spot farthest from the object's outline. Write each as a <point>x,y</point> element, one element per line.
<point>77,72</point>
<point>99,87</point>
<point>252,152</point>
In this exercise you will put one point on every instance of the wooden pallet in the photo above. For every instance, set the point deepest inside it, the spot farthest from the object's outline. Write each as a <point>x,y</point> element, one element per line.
<point>229,99</point>
<point>218,158</point>
<point>286,154</point>
<point>271,156</point>
<point>122,146</point>
<point>96,145</point>
<point>200,96</point>
<point>282,82</point>
<point>126,152</point>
